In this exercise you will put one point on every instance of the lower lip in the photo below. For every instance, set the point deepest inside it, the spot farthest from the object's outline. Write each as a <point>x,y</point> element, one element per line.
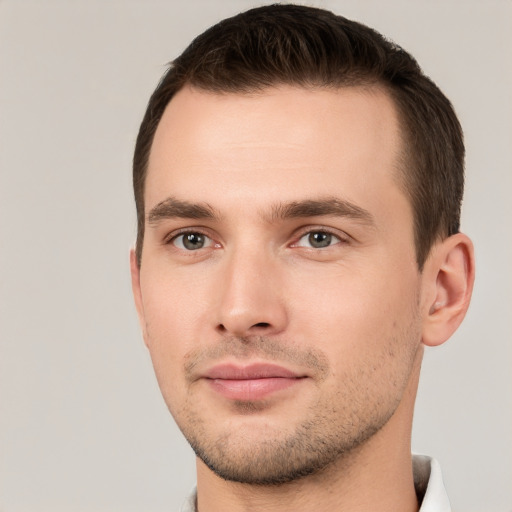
<point>251,389</point>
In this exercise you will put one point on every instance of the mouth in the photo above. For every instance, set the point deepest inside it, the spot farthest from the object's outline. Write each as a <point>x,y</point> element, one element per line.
<point>250,383</point>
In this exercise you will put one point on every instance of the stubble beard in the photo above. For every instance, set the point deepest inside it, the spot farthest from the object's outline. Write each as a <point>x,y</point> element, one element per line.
<point>278,459</point>
<point>331,431</point>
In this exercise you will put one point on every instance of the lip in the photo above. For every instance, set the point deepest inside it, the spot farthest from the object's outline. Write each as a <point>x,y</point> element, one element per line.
<point>252,382</point>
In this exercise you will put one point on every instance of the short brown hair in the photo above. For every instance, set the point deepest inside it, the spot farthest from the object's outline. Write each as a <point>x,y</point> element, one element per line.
<point>306,46</point>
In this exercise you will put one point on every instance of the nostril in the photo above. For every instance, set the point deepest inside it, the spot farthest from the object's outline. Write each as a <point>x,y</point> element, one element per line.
<point>243,329</point>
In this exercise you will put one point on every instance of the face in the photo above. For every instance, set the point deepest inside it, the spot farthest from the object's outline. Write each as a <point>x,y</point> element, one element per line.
<point>278,291</point>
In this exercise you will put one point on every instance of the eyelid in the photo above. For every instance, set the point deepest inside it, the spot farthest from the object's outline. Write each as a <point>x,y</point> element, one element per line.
<point>340,235</point>
<point>170,237</point>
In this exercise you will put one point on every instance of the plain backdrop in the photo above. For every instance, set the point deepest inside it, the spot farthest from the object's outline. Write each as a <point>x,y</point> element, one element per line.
<point>82,424</point>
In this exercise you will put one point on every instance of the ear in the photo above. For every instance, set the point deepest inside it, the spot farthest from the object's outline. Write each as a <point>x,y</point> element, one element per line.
<point>448,275</point>
<point>137,293</point>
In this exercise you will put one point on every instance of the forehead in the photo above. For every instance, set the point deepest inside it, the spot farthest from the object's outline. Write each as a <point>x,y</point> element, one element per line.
<point>283,141</point>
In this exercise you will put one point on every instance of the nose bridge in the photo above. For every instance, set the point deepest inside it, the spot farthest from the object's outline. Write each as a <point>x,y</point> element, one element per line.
<point>250,301</point>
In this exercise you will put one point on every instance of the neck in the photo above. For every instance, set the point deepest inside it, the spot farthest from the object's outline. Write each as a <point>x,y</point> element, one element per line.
<point>374,476</point>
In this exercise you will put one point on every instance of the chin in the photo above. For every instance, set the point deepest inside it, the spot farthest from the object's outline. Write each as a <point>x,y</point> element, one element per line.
<point>270,456</point>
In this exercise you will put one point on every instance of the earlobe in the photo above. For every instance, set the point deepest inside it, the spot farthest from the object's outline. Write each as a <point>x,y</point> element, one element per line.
<point>450,273</point>
<point>137,293</point>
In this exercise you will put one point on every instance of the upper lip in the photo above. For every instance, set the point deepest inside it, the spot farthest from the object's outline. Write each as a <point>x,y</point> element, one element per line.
<point>249,372</point>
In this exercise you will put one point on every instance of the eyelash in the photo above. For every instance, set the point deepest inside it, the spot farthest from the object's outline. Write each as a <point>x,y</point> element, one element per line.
<point>342,238</point>
<point>172,237</point>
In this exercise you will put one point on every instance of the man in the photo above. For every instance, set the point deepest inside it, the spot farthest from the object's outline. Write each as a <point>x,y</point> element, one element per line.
<point>298,183</point>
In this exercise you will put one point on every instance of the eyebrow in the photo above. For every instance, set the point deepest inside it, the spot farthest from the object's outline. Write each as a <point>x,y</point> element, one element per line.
<point>330,206</point>
<point>171,208</point>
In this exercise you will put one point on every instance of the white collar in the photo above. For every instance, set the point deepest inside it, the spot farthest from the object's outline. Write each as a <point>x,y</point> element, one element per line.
<point>428,482</point>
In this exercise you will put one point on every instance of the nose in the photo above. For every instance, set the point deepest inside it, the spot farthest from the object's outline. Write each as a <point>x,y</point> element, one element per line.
<point>251,298</point>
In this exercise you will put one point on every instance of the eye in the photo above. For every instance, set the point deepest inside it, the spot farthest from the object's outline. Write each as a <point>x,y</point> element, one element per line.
<point>192,241</point>
<point>318,240</point>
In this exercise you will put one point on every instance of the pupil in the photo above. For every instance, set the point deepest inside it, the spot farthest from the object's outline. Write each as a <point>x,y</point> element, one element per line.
<point>320,239</point>
<point>193,241</point>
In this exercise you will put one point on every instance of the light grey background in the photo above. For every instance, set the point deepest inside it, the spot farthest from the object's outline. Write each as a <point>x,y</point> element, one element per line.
<point>82,423</point>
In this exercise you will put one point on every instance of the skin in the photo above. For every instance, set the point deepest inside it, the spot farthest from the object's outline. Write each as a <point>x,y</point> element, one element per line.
<point>349,318</point>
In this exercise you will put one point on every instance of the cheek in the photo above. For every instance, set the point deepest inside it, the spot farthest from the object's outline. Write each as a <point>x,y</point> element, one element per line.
<point>358,313</point>
<point>169,326</point>
<point>370,330</point>
<point>172,305</point>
